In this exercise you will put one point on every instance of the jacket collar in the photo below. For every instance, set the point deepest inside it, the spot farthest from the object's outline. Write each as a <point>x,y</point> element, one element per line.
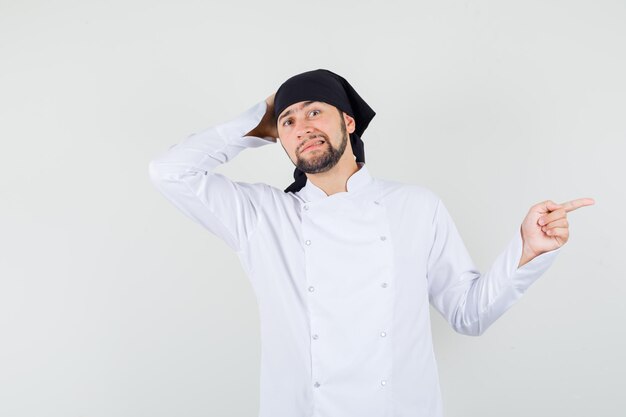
<point>357,181</point>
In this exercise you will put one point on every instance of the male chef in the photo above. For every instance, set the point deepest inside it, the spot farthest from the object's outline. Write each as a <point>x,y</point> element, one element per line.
<point>344,264</point>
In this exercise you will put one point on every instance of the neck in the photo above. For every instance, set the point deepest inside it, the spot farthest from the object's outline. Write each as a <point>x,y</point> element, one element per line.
<point>335,180</point>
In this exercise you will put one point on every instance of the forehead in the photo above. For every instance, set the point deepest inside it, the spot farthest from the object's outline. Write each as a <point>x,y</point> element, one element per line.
<point>296,107</point>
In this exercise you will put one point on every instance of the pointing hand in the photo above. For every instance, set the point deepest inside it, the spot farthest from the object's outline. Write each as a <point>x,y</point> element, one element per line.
<point>546,228</point>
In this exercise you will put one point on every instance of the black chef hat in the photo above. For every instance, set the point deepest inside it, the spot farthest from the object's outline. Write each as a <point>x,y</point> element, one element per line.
<point>324,85</point>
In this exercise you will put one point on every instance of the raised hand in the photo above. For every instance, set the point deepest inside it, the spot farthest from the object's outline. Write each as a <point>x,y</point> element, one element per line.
<point>267,126</point>
<point>546,228</point>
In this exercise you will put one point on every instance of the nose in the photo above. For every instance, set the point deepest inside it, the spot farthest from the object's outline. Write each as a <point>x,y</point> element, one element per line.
<point>302,129</point>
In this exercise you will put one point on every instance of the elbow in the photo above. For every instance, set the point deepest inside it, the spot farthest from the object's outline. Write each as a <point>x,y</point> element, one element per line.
<point>154,172</point>
<point>469,328</point>
<point>468,331</point>
<point>162,175</point>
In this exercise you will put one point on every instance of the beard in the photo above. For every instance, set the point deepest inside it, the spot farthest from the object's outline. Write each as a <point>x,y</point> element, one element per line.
<point>327,157</point>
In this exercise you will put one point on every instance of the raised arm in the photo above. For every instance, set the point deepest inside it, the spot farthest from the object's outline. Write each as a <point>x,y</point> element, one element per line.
<point>185,175</point>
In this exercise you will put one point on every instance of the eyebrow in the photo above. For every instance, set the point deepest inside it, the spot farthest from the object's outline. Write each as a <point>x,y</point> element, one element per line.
<point>288,112</point>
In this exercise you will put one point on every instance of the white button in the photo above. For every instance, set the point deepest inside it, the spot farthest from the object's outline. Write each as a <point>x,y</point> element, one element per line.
<point>384,285</point>
<point>316,385</point>
<point>311,289</point>
<point>306,207</point>
<point>383,334</point>
<point>383,382</point>
<point>383,238</point>
<point>315,337</point>
<point>308,242</point>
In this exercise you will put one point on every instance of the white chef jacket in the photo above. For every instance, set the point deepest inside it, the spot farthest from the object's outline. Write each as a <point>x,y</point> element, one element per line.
<point>343,282</point>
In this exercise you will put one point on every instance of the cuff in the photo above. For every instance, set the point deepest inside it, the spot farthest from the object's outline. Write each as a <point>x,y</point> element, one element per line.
<point>528,273</point>
<point>235,129</point>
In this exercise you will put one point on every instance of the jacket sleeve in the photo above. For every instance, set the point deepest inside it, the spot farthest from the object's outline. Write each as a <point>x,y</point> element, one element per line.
<point>185,175</point>
<point>468,300</point>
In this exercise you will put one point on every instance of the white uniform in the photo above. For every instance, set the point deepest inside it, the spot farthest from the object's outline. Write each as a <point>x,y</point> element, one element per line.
<point>343,282</point>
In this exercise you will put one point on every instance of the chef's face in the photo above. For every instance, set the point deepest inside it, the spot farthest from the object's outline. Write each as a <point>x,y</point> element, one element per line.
<point>303,125</point>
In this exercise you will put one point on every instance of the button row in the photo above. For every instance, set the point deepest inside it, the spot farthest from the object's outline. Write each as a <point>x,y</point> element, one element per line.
<point>312,289</point>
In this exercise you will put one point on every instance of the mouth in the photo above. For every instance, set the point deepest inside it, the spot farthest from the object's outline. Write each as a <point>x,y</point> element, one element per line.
<point>313,144</point>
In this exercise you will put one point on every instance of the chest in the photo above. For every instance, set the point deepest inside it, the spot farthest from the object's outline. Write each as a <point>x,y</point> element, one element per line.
<point>347,243</point>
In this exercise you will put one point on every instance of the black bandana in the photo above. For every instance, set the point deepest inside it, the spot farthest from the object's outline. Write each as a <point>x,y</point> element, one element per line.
<point>324,85</point>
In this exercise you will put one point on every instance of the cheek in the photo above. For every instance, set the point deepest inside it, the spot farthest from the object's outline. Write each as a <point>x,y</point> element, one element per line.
<point>291,148</point>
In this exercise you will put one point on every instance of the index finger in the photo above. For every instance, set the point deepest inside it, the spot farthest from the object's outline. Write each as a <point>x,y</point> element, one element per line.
<point>578,203</point>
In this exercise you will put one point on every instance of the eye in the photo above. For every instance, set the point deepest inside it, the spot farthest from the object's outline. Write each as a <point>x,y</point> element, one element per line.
<point>289,120</point>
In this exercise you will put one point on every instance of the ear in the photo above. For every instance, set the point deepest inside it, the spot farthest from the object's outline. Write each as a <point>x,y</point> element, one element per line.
<point>350,123</point>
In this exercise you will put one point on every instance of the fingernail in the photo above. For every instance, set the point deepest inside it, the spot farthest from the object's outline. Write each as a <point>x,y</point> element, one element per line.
<point>542,221</point>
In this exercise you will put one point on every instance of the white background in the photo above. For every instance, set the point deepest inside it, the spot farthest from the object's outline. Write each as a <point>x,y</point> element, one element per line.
<point>114,304</point>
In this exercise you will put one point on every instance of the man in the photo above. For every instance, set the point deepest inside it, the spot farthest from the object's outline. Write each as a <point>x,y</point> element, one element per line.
<point>344,265</point>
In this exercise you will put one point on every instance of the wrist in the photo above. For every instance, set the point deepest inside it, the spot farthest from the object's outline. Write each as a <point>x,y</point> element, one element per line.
<point>527,255</point>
